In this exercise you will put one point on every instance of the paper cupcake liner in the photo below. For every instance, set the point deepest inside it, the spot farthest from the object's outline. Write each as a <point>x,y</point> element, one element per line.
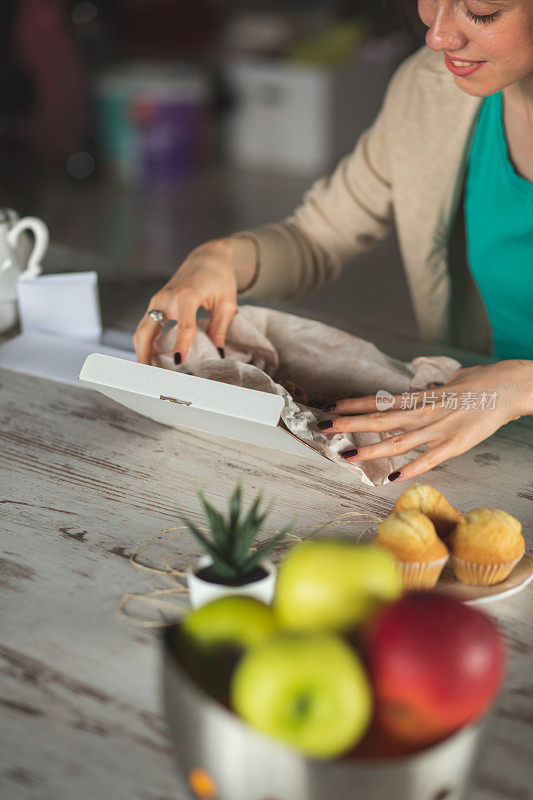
<point>482,574</point>
<point>421,574</point>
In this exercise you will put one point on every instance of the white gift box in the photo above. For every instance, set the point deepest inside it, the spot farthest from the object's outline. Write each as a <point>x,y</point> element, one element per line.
<point>185,401</point>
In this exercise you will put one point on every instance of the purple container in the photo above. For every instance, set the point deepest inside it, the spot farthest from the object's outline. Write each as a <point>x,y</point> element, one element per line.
<point>153,122</point>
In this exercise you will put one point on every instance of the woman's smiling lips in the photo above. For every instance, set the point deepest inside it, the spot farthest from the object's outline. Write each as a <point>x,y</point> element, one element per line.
<point>461,67</point>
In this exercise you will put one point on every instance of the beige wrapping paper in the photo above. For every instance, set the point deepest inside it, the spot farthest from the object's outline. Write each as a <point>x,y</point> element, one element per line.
<point>266,348</point>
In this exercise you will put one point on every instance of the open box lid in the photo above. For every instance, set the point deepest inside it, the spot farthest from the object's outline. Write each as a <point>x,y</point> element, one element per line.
<point>185,401</point>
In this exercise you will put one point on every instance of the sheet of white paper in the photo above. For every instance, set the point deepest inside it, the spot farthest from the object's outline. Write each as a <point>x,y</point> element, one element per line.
<point>66,305</point>
<point>53,357</point>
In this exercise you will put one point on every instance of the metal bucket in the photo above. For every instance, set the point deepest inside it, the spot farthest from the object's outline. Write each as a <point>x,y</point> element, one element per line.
<point>222,758</point>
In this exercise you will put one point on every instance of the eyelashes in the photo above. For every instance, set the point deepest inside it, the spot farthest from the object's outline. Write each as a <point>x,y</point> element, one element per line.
<point>481,20</point>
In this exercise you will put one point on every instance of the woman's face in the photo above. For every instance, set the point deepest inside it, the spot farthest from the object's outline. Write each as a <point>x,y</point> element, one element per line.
<point>494,37</point>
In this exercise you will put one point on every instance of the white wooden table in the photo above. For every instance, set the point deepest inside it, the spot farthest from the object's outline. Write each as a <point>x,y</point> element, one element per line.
<point>84,481</point>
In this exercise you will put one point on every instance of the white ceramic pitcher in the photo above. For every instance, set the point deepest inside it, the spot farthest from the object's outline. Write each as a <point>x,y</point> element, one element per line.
<point>17,260</point>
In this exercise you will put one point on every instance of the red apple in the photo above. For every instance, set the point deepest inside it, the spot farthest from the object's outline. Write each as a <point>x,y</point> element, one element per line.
<point>435,664</point>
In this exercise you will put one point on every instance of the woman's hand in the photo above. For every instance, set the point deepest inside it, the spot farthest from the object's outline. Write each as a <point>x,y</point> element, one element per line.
<point>449,419</point>
<point>209,277</point>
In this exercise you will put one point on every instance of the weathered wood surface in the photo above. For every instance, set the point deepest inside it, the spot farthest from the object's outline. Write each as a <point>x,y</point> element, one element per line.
<point>84,481</point>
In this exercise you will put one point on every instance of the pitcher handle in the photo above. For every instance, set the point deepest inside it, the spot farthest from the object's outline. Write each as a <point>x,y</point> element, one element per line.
<point>42,237</point>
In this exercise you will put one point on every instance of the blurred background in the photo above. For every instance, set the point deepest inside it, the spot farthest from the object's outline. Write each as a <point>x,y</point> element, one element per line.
<point>138,129</point>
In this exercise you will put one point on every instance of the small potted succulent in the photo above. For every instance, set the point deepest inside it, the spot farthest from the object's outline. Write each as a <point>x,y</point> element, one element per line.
<point>231,565</point>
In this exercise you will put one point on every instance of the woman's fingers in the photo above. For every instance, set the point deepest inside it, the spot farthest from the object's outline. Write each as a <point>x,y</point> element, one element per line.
<point>376,422</point>
<point>182,306</point>
<point>185,307</point>
<point>358,405</point>
<point>221,316</point>
<point>144,337</point>
<point>407,401</point>
<point>395,445</point>
<point>425,461</point>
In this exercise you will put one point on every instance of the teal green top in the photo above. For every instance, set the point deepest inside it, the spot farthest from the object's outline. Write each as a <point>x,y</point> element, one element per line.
<point>499,235</point>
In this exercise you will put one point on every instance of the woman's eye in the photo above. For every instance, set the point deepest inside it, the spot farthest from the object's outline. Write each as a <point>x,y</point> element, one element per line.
<point>482,19</point>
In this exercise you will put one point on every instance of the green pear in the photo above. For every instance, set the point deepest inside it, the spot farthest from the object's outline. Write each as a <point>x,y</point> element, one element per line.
<point>310,691</point>
<point>332,584</point>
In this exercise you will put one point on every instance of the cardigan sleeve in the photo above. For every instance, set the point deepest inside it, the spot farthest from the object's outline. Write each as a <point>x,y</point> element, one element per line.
<point>340,216</point>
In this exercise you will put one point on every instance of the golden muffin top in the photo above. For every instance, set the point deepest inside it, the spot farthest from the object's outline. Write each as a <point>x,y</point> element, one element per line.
<point>487,536</point>
<point>431,503</point>
<point>411,536</point>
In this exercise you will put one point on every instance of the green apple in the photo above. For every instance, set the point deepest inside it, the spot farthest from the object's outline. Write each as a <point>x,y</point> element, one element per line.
<point>331,584</point>
<point>307,690</point>
<point>211,639</point>
<point>240,620</point>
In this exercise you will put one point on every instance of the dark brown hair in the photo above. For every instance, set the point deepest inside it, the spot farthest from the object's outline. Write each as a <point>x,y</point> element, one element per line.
<point>409,9</point>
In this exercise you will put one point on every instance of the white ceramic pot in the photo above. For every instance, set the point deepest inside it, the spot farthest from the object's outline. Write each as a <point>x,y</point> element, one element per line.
<point>8,314</point>
<point>18,259</point>
<point>202,592</point>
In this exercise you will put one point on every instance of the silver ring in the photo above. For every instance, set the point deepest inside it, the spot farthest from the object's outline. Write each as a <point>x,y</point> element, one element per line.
<point>157,316</point>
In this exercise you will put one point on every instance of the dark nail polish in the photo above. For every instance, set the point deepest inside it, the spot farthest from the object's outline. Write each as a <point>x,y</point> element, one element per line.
<point>329,407</point>
<point>349,453</point>
<point>395,475</point>
<point>177,358</point>
<point>323,426</point>
<point>221,352</point>
<point>436,383</point>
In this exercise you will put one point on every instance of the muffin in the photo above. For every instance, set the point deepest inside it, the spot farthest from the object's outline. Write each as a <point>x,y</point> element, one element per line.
<point>485,546</point>
<point>431,503</point>
<point>412,538</point>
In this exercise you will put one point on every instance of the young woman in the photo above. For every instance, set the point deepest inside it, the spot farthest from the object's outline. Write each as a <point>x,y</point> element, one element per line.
<point>449,160</point>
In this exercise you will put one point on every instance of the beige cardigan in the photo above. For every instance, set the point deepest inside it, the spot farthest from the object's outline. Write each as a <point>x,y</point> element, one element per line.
<point>408,167</point>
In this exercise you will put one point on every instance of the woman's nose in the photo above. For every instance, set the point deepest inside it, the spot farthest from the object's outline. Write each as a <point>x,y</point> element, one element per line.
<point>445,32</point>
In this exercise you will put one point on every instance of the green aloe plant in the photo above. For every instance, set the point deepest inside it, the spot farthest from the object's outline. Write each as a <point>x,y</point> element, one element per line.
<point>231,537</point>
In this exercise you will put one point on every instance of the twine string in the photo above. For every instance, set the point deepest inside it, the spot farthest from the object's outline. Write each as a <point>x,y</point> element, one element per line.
<point>165,601</point>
